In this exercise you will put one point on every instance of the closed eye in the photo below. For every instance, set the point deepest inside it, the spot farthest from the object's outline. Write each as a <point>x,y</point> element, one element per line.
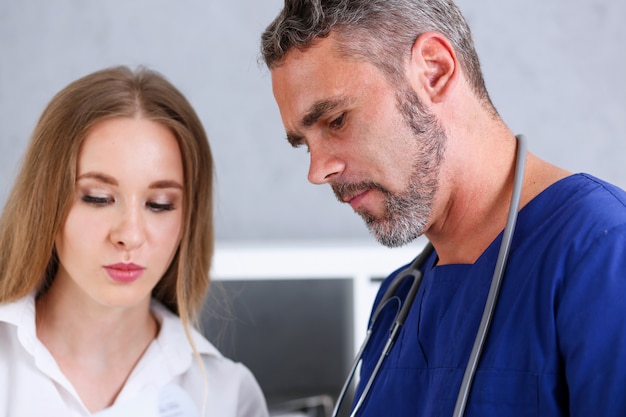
<point>97,201</point>
<point>157,207</point>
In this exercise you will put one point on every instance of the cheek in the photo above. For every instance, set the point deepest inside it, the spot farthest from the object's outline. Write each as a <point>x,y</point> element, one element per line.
<point>78,230</point>
<point>167,232</point>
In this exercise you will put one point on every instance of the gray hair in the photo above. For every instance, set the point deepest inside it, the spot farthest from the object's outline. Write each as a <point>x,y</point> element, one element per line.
<point>378,31</point>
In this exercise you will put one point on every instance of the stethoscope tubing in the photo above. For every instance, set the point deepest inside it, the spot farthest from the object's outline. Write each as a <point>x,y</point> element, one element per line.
<point>399,320</point>
<point>496,281</point>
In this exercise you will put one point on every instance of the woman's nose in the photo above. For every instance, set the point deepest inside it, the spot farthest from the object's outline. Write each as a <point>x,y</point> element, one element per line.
<point>129,231</point>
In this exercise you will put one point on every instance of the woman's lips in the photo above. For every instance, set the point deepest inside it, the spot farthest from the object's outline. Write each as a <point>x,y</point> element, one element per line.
<point>124,273</point>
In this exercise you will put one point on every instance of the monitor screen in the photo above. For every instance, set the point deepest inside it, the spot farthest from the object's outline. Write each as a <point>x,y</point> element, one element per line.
<point>295,335</point>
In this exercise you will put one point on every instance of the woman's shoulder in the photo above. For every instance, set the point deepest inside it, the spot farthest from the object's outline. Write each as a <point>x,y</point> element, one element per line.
<point>224,378</point>
<point>18,316</point>
<point>173,339</point>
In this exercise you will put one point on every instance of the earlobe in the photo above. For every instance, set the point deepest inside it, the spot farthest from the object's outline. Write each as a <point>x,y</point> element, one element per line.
<point>433,66</point>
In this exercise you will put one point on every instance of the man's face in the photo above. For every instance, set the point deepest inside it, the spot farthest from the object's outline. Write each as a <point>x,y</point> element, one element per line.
<point>372,142</point>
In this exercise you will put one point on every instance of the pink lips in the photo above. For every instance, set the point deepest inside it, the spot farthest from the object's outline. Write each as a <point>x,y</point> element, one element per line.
<point>124,273</point>
<point>355,200</point>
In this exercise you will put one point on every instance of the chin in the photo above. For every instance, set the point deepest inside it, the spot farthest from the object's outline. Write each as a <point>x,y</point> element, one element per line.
<point>125,299</point>
<point>393,234</point>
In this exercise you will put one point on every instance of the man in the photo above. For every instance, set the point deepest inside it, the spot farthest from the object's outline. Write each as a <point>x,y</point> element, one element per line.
<point>389,99</point>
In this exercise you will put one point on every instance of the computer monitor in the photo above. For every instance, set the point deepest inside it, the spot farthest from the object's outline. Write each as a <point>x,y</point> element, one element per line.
<point>295,335</point>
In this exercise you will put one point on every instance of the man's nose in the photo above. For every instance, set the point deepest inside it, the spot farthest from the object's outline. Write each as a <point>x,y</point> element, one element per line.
<point>324,164</point>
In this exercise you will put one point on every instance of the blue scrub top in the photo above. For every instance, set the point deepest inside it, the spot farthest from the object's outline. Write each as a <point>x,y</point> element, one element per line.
<point>557,344</point>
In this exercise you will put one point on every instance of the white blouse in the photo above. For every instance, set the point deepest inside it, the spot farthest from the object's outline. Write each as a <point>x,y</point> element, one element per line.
<point>167,380</point>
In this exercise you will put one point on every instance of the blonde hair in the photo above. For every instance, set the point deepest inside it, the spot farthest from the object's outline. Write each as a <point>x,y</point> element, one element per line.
<point>41,198</point>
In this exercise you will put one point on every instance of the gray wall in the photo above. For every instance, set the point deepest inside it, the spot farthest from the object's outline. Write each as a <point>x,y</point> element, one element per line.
<point>555,70</point>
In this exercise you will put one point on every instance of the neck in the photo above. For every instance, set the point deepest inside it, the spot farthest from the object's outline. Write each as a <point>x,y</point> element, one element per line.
<point>95,347</point>
<point>84,332</point>
<point>476,210</point>
<point>82,329</point>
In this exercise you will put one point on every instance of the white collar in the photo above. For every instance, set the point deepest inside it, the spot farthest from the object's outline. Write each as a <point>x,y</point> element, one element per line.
<point>171,338</point>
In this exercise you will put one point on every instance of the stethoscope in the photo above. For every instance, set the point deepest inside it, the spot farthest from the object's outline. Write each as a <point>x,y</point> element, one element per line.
<point>413,271</point>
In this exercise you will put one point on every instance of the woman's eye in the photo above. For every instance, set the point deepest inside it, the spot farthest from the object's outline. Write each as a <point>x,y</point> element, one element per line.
<point>338,122</point>
<point>97,201</point>
<point>160,207</point>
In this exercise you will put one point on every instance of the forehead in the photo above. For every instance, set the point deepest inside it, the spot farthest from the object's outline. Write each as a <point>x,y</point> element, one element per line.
<point>133,147</point>
<point>319,73</point>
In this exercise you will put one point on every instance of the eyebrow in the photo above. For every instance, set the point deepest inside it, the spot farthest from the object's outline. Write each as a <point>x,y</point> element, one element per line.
<point>107,179</point>
<point>166,184</point>
<point>98,176</point>
<point>316,111</point>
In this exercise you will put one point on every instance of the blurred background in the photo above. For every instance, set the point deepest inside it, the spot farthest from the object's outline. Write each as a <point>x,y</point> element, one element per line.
<point>554,68</point>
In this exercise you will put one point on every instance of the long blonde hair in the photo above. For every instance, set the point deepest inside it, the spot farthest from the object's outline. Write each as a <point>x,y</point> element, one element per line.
<point>41,198</point>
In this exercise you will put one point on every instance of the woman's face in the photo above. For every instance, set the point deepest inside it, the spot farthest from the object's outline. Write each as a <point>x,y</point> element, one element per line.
<point>125,223</point>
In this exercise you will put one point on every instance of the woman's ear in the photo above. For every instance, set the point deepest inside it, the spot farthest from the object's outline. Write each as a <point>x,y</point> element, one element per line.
<point>433,66</point>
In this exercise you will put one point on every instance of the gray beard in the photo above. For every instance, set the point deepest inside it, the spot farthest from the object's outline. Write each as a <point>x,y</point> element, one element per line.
<point>408,214</point>
<point>405,218</point>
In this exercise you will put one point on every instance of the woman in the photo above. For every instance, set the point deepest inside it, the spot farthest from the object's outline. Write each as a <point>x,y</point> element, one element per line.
<point>106,243</point>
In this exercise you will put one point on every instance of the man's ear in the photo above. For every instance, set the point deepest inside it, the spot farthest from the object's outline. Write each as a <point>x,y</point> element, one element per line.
<point>433,66</point>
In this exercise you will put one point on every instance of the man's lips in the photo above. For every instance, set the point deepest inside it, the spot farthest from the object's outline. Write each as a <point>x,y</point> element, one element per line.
<point>355,199</point>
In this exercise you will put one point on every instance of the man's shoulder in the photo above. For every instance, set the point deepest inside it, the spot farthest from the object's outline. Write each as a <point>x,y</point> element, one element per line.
<point>582,198</point>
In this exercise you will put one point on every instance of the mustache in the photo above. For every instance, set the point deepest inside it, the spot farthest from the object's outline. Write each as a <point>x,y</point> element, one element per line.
<point>346,190</point>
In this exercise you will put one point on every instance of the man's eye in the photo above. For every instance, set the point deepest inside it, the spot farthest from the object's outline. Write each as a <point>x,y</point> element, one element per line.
<point>338,122</point>
<point>97,201</point>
